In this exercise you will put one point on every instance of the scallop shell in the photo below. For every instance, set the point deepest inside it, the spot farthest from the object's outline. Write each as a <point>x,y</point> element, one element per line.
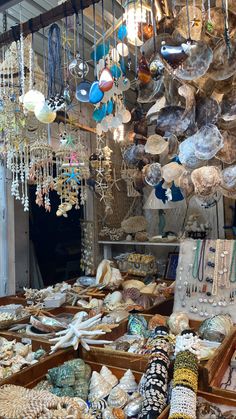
<point>207,142</point>
<point>228,178</point>
<point>145,301</point>
<point>117,397</point>
<point>172,171</point>
<point>108,376</point>
<point>222,66</point>
<point>228,153</point>
<point>152,173</point>
<point>200,56</point>
<point>187,155</point>
<point>206,180</point>
<point>155,144</point>
<point>133,283</point>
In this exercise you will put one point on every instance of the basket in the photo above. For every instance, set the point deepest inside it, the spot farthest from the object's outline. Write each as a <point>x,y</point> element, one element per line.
<point>141,265</point>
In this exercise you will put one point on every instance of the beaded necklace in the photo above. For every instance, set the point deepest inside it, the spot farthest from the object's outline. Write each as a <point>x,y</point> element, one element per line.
<point>232,270</point>
<point>199,261</point>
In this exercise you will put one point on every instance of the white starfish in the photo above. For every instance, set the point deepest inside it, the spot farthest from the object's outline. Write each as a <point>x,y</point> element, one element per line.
<point>78,332</point>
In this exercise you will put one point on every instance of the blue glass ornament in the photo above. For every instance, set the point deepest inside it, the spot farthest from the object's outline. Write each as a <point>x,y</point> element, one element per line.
<point>82,91</point>
<point>115,71</point>
<point>122,32</point>
<point>98,115</point>
<point>100,51</point>
<point>95,94</point>
<point>109,109</point>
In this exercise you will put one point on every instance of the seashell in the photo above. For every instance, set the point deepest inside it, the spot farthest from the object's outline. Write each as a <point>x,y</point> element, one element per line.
<point>172,119</point>
<point>122,346</point>
<point>132,293</point>
<point>222,66</point>
<point>134,224</point>
<point>99,388</point>
<point>107,413</point>
<point>216,328</point>
<point>133,407</point>
<point>187,155</point>
<point>207,142</point>
<point>127,382</point>
<point>173,145</point>
<point>197,63</point>
<point>155,321</point>
<point>206,180</point>
<point>152,173</point>
<point>21,349</point>
<point>172,171</point>
<point>116,278</point>
<point>132,283</point>
<point>145,301</point>
<point>117,397</point>
<point>118,413</point>
<point>141,236</point>
<point>228,106</point>
<point>148,93</point>
<point>207,111</point>
<point>108,376</point>
<point>103,275</point>
<point>86,281</point>
<point>148,289</point>
<point>185,183</point>
<point>227,154</point>
<point>114,298</point>
<point>155,144</point>
<point>177,322</point>
<point>137,325</point>
<point>99,404</point>
<point>181,23</point>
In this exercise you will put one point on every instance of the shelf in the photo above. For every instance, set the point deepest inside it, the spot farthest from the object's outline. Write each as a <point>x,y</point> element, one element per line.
<point>134,243</point>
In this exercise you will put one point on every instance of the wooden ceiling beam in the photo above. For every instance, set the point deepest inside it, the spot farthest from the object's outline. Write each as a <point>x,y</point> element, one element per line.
<point>67,8</point>
<point>5,4</point>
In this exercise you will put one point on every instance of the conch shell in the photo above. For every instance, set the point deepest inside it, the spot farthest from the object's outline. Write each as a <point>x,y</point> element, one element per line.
<point>103,276</point>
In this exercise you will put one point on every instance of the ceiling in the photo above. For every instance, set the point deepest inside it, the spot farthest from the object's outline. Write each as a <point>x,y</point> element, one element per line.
<point>26,9</point>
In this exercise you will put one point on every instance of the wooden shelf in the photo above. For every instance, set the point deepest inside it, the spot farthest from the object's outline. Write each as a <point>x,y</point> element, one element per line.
<point>134,243</point>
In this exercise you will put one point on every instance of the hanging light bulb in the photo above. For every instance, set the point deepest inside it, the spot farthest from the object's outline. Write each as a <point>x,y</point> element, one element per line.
<point>135,13</point>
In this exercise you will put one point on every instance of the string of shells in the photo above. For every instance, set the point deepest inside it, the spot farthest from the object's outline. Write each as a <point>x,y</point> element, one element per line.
<point>21,403</point>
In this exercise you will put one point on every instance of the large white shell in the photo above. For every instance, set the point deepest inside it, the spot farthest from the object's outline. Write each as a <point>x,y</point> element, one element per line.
<point>103,276</point>
<point>114,298</point>
<point>108,376</point>
<point>127,382</point>
<point>117,397</point>
<point>99,388</point>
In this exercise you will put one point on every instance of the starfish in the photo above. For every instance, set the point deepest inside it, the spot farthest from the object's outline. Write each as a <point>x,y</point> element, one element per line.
<point>79,331</point>
<point>72,177</point>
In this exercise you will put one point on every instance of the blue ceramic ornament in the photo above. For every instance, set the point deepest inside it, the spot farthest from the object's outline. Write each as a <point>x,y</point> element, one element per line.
<point>115,71</point>
<point>122,32</point>
<point>160,193</point>
<point>98,115</point>
<point>95,94</point>
<point>122,66</point>
<point>109,107</point>
<point>101,51</point>
<point>82,91</point>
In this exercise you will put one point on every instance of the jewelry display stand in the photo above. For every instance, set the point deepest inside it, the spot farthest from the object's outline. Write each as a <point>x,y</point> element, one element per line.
<point>206,279</point>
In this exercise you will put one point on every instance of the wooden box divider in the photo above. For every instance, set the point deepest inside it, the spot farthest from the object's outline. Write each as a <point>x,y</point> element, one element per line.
<point>220,364</point>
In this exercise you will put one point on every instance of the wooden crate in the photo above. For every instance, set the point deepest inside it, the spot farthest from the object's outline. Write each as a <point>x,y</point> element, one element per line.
<point>128,359</point>
<point>139,362</point>
<point>212,398</point>
<point>19,377</point>
<point>218,365</point>
<point>38,372</point>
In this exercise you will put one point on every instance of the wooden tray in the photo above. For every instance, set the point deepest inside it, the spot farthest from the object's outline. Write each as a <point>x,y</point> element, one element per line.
<point>213,398</point>
<point>218,365</point>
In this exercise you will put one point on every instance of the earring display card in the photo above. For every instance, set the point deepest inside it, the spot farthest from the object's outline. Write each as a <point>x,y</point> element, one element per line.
<point>206,278</point>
